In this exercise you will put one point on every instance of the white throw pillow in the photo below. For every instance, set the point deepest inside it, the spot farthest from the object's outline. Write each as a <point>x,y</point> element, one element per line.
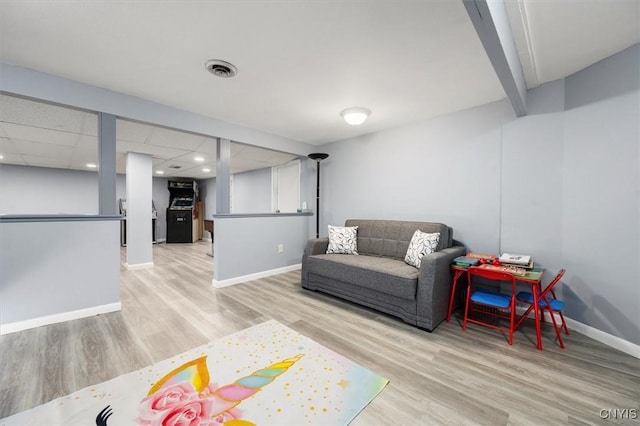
<point>343,239</point>
<point>421,244</point>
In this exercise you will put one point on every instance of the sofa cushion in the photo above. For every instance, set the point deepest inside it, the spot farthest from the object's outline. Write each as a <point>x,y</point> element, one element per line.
<point>390,238</point>
<point>389,276</point>
<point>421,243</point>
<point>343,240</point>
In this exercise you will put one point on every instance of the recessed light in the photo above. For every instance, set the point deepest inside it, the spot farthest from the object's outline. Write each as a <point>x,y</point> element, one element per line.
<point>92,165</point>
<point>206,170</point>
<point>199,159</point>
<point>1,157</point>
<point>159,172</point>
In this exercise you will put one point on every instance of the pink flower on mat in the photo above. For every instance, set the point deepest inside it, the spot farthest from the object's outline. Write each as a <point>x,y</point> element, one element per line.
<point>169,397</point>
<point>181,405</point>
<point>185,396</point>
<point>193,413</point>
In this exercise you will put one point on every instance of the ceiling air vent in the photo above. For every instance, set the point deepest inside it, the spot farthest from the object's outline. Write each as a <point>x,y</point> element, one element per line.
<point>175,167</point>
<point>220,68</point>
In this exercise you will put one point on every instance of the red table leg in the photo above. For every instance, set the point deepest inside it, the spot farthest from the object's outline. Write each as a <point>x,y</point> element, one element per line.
<point>536,311</point>
<point>456,274</point>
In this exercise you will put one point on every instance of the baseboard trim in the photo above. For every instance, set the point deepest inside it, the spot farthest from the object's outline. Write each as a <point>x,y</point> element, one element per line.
<point>257,275</point>
<point>605,338</point>
<point>138,266</point>
<point>593,333</point>
<point>56,318</point>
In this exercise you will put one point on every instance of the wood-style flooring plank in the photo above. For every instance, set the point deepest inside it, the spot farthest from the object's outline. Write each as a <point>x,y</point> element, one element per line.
<point>448,376</point>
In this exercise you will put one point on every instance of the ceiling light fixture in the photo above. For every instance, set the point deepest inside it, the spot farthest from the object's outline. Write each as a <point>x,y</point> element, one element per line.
<point>1,157</point>
<point>222,69</point>
<point>199,159</point>
<point>92,165</point>
<point>356,115</point>
<point>159,172</point>
<point>206,170</point>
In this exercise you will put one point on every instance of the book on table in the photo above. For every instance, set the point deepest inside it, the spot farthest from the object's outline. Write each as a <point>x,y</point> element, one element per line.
<point>515,259</point>
<point>480,256</point>
<point>510,269</point>
<point>465,261</point>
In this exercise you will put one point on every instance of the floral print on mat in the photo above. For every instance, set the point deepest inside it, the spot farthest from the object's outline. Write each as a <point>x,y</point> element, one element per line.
<point>421,244</point>
<point>343,240</point>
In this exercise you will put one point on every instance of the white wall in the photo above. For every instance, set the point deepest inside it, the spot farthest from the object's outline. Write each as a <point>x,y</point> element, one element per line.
<point>601,195</point>
<point>252,191</point>
<point>430,171</point>
<point>561,184</point>
<point>249,245</point>
<point>208,196</point>
<point>39,190</point>
<point>54,268</point>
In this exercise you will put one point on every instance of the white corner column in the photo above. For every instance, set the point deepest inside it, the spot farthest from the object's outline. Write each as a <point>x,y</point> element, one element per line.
<point>139,189</point>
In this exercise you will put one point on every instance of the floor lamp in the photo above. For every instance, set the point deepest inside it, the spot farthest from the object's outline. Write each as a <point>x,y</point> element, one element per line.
<point>318,157</point>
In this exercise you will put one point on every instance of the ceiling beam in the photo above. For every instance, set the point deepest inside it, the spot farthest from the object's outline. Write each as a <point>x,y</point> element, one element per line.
<point>490,22</point>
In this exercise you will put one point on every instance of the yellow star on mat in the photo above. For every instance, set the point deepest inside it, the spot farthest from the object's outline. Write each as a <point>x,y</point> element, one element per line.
<point>343,383</point>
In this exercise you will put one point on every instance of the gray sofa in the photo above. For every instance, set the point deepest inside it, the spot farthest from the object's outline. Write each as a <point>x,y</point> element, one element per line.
<point>379,278</point>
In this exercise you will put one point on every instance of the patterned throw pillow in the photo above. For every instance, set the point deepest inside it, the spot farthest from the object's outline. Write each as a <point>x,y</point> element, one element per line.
<point>343,239</point>
<point>421,244</point>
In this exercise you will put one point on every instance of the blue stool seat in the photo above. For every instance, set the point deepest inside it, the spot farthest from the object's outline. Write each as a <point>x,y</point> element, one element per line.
<point>497,300</point>
<point>556,305</point>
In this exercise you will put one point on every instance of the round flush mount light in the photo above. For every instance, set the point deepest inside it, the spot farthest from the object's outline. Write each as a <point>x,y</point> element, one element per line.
<point>92,165</point>
<point>355,115</point>
<point>222,69</point>
<point>206,170</point>
<point>159,172</point>
<point>199,159</point>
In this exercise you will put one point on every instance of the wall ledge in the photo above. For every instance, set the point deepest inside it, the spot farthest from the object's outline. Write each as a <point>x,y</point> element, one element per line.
<point>15,218</point>
<point>237,215</point>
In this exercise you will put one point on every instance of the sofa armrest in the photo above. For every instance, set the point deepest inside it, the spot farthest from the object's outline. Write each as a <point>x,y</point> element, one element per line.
<point>314,246</point>
<point>434,286</point>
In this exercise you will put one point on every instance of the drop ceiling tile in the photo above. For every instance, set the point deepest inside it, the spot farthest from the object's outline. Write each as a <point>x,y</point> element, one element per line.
<point>175,139</point>
<point>31,160</point>
<point>12,158</point>
<point>39,114</point>
<point>239,165</point>
<point>86,140</point>
<point>132,131</point>
<point>208,146</point>
<point>155,151</point>
<point>236,148</point>
<point>83,155</point>
<point>7,146</point>
<point>38,149</point>
<point>190,158</point>
<point>121,164</point>
<point>39,134</point>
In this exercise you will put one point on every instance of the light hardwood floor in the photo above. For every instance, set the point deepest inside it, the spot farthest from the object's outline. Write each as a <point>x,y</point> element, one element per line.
<point>445,377</point>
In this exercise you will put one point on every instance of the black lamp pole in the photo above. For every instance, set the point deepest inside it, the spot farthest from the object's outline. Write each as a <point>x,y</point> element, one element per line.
<point>318,157</point>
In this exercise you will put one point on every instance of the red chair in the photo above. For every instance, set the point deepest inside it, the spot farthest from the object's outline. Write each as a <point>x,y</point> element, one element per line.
<point>549,303</point>
<point>498,301</point>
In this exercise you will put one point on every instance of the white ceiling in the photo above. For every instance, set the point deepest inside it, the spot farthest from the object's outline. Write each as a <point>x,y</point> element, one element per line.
<point>557,38</point>
<point>301,62</point>
<point>43,135</point>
